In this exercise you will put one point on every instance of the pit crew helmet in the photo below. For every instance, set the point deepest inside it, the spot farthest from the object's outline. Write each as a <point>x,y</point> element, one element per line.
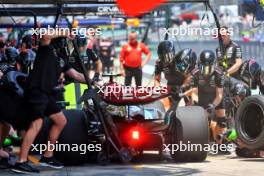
<point>250,73</point>
<point>166,52</point>
<point>185,60</point>
<point>11,55</point>
<point>62,45</point>
<point>207,62</point>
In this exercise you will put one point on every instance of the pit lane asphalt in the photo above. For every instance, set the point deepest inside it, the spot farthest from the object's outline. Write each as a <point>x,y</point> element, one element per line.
<point>152,165</point>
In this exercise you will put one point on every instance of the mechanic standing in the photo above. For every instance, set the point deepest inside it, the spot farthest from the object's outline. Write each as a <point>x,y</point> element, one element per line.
<point>131,63</point>
<point>42,80</point>
<point>231,60</point>
<point>208,90</point>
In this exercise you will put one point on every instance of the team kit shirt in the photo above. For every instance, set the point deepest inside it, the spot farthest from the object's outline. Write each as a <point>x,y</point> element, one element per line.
<point>131,55</point>
<point>47,69</point>
<point>231,52</point>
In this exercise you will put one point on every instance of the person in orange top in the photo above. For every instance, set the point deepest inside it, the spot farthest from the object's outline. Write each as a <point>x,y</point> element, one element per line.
<point>131,62</point>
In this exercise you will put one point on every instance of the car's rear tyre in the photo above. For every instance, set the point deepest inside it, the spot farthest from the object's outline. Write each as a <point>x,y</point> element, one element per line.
<point>190,127</point>
<point>250,122</point>
<point>75,134</point>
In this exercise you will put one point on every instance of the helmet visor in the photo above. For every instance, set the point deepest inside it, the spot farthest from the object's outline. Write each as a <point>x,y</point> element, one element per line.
<point>182,67</point>
<point>167,57</point>
<point>206,70</point>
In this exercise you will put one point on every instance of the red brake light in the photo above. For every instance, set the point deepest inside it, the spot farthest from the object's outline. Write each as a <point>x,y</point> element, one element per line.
<point>135,134</point>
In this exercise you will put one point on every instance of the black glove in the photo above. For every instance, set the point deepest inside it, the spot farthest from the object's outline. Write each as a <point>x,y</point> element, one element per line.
<point>96,77</point>
<point>210,108</point>
<point>181,95</point>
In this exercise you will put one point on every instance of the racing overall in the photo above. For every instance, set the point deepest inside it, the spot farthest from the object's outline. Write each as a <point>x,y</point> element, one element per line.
<point>207,87</point>
<point>174,77</point>
<point>106,54</point>
<point>175,80</point>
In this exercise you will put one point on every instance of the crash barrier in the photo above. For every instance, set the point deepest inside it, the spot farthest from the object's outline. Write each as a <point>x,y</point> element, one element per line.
<point>250,122</point>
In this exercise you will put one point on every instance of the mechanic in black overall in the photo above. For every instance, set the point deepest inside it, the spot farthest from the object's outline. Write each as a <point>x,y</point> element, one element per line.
<point>177,69</point>
<point>208,90</point>
<point>231,60</point>
<point>90,59</point>
<point>8,103</point>
<point>47,69</point>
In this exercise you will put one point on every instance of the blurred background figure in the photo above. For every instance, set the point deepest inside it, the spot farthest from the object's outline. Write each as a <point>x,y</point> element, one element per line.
<point>26,55</point>
<point>107,54</point>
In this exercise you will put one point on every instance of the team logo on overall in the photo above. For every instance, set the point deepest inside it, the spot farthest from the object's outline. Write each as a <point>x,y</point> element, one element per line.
<point>62,63</point>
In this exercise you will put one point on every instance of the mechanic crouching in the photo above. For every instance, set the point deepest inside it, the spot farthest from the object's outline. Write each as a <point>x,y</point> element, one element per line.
<point>208,90</point>
<point>176,67</point>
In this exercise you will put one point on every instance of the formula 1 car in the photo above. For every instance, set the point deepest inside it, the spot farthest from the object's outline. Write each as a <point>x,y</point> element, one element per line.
<point>130,121</point>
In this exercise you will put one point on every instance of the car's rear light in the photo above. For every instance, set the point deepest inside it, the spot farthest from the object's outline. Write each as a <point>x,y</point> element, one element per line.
<point>135,134</point>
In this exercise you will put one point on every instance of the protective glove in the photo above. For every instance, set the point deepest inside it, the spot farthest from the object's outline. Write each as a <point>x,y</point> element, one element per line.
<point>96,77</point>
<point>210,108</point>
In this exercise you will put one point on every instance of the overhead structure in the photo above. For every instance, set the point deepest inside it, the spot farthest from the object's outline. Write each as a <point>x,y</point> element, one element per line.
<point>82,1</point>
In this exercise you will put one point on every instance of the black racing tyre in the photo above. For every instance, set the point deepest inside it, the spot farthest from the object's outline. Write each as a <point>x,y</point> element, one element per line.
<point>75,134</point>
<point>190,127</point>
<point>247,153</point>
<point>249,122</point>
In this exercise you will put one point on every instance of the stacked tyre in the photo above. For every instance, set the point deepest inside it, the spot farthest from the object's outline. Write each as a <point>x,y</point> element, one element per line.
<point>250,122</point>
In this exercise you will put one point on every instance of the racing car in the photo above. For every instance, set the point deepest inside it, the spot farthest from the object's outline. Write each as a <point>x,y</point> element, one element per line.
<point>132,121</point>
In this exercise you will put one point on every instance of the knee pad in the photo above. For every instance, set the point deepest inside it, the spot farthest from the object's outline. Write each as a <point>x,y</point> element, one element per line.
<point>221,122</point>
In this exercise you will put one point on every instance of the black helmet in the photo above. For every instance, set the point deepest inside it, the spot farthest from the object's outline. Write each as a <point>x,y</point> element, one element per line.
<point>240,89</point>
<point>59,43</point>
<point>166,51</point>
<point>11,54</point>
<point>185,60</point>
<point>16,80</point>
<point>27,58</point>
<point>207,62</point>
<point>27,40</point>
<point>250,72</point>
